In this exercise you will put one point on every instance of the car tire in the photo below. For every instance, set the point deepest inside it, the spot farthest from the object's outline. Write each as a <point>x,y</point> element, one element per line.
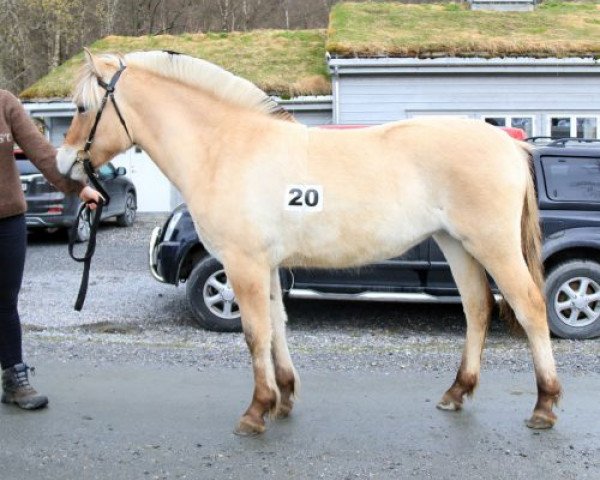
<point>573,296</point>
<point>211,298</point>
<point>84,227</point>
<point>127,218</point>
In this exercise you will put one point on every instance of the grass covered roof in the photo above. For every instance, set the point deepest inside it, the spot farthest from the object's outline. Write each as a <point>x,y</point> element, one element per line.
<point>374,29</point>
<point>292,63</point>
<point>285,63</point>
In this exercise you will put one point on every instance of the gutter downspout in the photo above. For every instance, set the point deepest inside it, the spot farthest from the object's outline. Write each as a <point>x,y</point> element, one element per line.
<point>335,90</point>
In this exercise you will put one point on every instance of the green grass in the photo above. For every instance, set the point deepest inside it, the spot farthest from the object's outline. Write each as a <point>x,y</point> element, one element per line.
<point>286,63</point>
<point>451,29</point>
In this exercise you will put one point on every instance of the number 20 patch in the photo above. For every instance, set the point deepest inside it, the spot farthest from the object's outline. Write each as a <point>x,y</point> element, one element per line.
<point>304,198</point>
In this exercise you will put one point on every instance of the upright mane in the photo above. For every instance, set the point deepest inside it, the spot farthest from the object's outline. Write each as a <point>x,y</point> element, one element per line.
<point>188,70</point>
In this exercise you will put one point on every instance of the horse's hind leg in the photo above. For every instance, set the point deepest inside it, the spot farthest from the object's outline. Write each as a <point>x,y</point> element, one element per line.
<point>285,373</point>
<point>477,301</point>
<point>520,291</point>
<point>250,281</point>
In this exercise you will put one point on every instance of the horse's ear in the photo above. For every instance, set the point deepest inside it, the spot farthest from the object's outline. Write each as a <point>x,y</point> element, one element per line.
<point>92,62</point>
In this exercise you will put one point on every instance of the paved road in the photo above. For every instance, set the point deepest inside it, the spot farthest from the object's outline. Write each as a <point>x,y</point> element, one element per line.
<point>138,392</point>
<point>126,422</point>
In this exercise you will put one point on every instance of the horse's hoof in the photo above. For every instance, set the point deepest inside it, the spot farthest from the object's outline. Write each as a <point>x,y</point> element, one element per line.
<point>541,420</point>
<point>449,405</point>
<point>248,428</point>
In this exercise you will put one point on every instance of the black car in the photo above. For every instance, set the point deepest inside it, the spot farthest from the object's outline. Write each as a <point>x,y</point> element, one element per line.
<point>48,208</point>
<point>567,174</point>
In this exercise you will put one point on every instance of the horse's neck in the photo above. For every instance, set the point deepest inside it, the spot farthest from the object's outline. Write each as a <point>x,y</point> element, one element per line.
<point>177,135</point>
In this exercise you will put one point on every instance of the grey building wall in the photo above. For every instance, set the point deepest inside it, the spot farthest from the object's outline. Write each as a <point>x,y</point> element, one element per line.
<point>57,129</point>
<point>311,111</point>
<point>378,91</point>
<point>313,119</point>
<point>383,98</point>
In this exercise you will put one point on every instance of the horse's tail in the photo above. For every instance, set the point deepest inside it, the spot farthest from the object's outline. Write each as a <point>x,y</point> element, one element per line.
<point>531,239</point>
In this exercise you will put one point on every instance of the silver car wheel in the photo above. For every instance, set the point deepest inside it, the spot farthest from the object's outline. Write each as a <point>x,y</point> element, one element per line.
<point>577,302</point>
<point>130,208</point>
<point>219,297</point>
<point>83,227</point>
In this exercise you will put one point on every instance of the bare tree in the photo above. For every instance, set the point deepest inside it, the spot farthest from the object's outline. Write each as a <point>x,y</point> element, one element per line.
<point>106,13</point>
<point>285,6</point>
<point>38,35</point>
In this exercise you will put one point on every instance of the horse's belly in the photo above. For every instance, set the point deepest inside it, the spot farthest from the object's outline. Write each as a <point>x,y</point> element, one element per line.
<point>331,243</point>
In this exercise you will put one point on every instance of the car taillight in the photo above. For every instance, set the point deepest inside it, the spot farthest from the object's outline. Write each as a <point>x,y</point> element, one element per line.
<point>55,209</point>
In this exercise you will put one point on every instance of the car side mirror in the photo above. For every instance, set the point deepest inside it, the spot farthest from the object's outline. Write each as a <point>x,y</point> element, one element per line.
<point>120,171</point>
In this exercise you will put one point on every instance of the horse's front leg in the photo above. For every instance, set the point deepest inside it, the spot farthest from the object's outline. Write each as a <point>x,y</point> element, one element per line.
<point>250,280</point>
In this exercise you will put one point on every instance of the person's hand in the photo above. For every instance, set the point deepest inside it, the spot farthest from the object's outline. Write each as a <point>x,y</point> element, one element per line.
<point>88,194</point>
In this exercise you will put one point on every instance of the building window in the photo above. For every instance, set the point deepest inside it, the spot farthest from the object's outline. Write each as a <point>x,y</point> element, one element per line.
<point>587,128</point>
<point>515,121</point>
<point>564,126</point>
<point>524,123</point>
<point>560,127</point>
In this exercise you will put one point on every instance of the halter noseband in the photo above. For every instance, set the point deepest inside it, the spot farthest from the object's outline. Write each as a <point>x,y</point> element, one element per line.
<point>83,156</point>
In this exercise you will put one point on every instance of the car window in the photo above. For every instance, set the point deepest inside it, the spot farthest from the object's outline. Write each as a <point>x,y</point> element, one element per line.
<point>572,179</point>
<point>24,164</point>
<point>106,170</point>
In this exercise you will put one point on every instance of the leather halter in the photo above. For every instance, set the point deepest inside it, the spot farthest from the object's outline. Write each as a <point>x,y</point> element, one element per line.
<point>83,157</point>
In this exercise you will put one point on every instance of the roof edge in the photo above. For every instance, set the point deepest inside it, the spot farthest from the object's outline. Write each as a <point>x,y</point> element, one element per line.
<point>575,65</point>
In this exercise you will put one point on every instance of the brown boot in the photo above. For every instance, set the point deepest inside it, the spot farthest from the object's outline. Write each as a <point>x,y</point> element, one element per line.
<point>16,388</point>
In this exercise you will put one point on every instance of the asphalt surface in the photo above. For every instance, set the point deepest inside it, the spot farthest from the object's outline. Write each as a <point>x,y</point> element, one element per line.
<point>137,391</point>
<point>124,422</point>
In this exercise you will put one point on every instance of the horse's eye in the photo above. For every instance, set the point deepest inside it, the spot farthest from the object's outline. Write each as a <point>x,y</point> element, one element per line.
<point>80,109</point>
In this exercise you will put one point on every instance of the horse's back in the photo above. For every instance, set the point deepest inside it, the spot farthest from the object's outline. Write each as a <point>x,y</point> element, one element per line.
<point>387,187</point>
<point>426,155</point>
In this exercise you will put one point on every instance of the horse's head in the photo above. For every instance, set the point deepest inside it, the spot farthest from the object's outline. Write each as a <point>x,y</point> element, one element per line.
<point>99,130</point>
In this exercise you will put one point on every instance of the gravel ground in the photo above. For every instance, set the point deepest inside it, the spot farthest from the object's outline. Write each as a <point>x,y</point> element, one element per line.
<point>129,317</point>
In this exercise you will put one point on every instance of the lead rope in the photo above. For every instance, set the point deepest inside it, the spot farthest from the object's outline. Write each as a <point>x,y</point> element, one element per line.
<point>91,247</point>
<point>89,170</point>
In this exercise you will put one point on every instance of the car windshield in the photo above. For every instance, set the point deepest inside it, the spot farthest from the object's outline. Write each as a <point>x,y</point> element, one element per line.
<point>24,164</point>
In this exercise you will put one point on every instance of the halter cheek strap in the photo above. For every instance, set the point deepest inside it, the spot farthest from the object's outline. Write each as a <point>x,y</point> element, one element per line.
<point>83,156</point>
<point>109,93</point>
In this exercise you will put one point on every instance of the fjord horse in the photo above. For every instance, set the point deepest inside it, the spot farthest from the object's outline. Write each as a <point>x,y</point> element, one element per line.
<point>266,192</point>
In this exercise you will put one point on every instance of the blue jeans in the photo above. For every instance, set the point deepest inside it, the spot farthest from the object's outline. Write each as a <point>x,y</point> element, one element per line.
<point>13,242</point>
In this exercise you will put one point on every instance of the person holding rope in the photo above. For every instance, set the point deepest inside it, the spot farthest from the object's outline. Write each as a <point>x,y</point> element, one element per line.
<point>17,127</point>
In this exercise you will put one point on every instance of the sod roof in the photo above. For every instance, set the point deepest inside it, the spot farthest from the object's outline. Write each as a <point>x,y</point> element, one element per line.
<point>292,63</point>
<point>285,63</point>
<point>433,30</point>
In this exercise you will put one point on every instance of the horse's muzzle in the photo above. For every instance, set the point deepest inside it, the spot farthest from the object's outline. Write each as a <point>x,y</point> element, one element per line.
<point>70,163</point>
